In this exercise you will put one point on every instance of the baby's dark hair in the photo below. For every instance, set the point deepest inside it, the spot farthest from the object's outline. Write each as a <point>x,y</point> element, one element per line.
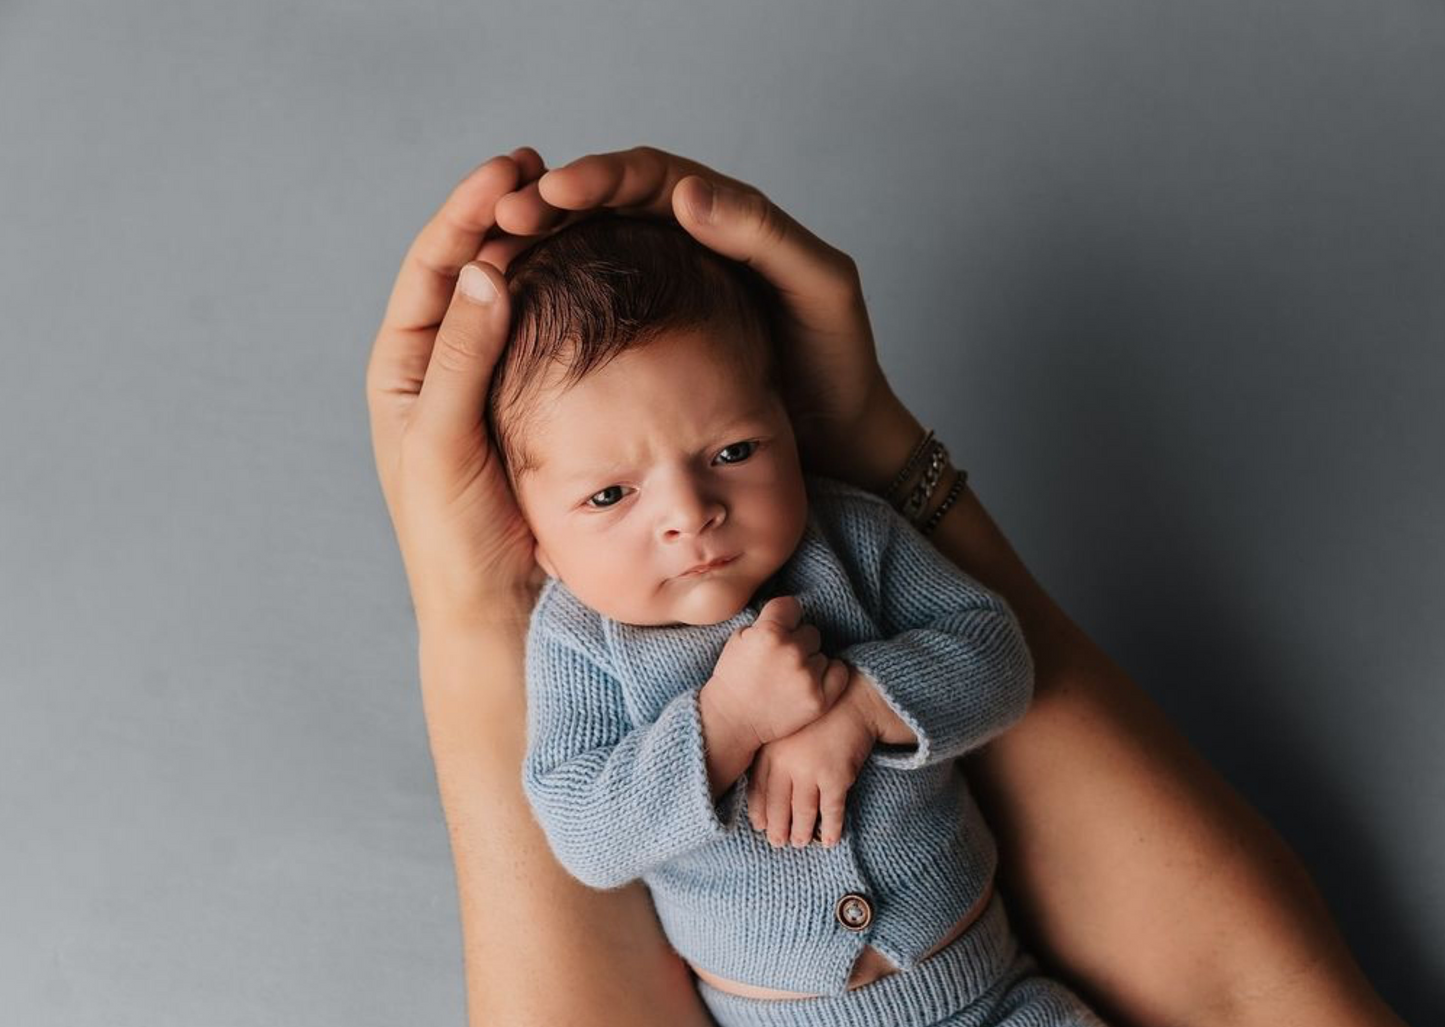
<point>609,283</point>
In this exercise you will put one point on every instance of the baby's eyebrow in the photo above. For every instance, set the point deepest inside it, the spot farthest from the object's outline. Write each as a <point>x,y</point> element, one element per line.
<point>752,419</point>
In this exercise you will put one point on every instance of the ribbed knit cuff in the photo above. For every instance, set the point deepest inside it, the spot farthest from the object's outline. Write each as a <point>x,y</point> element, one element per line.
<point>613,814</point>
<point>676,811</point>
<point>953,695</point>
<point>729,803</point>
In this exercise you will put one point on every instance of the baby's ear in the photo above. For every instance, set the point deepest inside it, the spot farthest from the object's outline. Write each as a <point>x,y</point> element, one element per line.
<point>545,561</point>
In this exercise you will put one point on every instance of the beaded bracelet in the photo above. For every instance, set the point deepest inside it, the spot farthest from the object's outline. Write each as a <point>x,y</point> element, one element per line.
<point>960,479</point>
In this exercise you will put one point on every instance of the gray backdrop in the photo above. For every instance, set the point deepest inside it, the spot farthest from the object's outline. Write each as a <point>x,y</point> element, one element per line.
<point>1167,278</point>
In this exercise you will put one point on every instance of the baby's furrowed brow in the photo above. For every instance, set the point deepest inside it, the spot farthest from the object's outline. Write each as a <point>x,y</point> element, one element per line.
<point>738,429</point>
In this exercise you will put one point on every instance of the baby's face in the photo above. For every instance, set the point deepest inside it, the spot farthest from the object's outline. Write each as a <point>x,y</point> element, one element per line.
<point>668,456</point>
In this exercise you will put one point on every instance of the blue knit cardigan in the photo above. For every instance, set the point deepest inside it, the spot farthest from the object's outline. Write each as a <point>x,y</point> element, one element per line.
<point>615,767</point>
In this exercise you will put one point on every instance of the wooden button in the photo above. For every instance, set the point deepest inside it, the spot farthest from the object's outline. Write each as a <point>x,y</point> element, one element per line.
<point>854,912</point>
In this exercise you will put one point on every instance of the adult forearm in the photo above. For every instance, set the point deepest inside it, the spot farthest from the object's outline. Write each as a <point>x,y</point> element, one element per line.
<point>540,948</point>
<point>1163,895</point>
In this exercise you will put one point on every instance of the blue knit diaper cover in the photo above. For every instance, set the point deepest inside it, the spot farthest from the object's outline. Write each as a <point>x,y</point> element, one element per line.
<point>982,979</point>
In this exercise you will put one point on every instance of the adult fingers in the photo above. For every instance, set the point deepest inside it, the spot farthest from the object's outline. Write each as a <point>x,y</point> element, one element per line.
<point>501,250</point>
<point>525,212</point>
<point>640,180</point>
<point>723,213</point>
<point>745,225</point>
<point>423,291</point>
<point>805,813</point>
<point>427,278</point>
<point>468,342</point>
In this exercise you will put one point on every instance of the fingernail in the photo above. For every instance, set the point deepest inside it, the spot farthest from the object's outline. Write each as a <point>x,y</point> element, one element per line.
<point>476,284</point>
<point>702,207</point>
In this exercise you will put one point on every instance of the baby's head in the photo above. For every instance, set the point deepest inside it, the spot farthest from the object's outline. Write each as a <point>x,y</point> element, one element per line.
<point>638,411</point>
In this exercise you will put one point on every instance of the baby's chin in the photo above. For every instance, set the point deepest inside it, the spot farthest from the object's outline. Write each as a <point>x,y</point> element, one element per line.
<point>709,604</point>
<point>710,601</point>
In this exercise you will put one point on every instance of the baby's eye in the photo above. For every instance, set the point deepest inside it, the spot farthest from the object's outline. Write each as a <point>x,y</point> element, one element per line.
<point>613,491</point>
<point>748,448</point>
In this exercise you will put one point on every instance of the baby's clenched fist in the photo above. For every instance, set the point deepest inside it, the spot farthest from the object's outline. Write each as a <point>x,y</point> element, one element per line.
<point>771,678</point>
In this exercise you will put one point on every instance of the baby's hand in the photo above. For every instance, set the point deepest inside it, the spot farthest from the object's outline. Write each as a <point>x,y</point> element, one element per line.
<point>770,679</point>
<point>804,778</point>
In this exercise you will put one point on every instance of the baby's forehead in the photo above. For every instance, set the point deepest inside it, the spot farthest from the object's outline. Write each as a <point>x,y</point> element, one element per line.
<point>575,439</point>
<point>567,415</point>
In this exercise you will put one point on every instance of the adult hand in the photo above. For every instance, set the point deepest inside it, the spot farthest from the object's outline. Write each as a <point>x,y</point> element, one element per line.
<point>464,544</point>
<point>848,422</point>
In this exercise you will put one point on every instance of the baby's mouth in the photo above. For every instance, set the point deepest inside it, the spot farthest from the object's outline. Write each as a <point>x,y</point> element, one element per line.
<point>713,565</point>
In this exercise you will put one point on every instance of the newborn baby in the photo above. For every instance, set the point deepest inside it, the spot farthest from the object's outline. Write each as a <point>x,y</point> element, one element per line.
<point>714,615</point>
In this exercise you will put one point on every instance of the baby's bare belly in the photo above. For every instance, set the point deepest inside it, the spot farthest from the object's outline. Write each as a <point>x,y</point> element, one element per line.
<point>871,964</point>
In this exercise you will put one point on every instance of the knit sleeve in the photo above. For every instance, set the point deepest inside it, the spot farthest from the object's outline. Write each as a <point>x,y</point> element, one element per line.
<point>953,663</point>
<point>614,798</point>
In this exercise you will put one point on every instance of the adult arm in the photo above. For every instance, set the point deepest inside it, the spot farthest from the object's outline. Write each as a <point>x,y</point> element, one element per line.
<point>539,948</point>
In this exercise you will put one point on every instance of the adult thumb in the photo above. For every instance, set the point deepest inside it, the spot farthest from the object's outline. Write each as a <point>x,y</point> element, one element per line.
<point>747,226</point>
<point>468,341</point>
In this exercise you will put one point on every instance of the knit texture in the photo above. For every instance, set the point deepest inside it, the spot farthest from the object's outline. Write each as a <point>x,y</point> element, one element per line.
<point>615,765</point>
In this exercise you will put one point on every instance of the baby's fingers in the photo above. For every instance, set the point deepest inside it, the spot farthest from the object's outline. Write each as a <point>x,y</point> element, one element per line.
<point>780,809</point>
<point>835,680</point>
<point>758,795</point>
<point>805,812</point>
<point>830,815</point>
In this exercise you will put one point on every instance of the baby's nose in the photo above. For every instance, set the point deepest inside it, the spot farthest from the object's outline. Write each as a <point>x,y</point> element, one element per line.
<point>692,515</point>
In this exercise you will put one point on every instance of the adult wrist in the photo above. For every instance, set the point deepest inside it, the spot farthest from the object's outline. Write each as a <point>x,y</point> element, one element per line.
<point>882,439</point>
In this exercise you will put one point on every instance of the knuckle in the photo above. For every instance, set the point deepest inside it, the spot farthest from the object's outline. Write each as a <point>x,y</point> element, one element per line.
<point>846,281</point>
<point>454,352</point>
<point>846,269</point>
<point>772,228</point>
